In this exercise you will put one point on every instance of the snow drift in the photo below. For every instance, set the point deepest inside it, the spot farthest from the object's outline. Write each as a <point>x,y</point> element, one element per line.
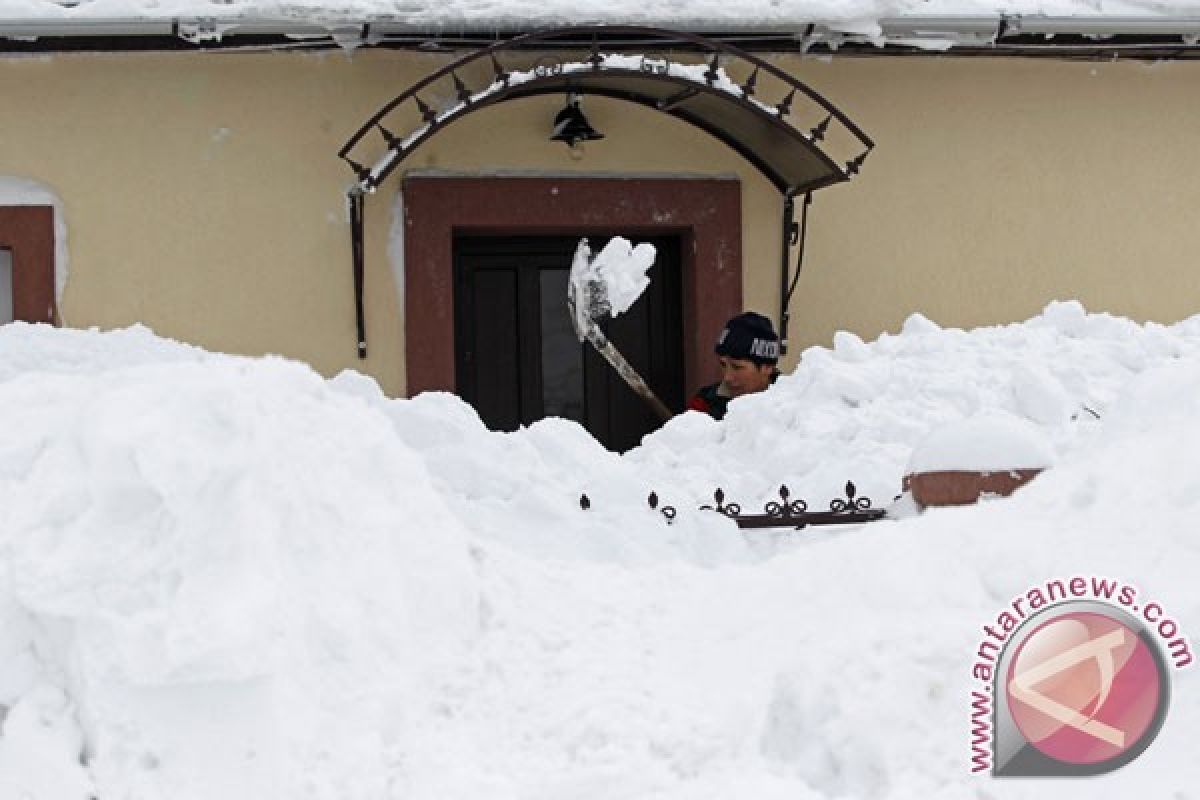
<point>227,577</point>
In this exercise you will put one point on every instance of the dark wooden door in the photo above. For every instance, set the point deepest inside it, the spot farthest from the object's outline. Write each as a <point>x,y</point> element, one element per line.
<point>517,356</point>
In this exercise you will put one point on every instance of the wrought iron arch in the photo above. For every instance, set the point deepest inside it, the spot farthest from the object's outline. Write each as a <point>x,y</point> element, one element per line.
<point>797,139</point>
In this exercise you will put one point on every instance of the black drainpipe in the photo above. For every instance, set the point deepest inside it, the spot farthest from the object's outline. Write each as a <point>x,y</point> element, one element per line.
<point>792,235</point>
<point>356,243</point>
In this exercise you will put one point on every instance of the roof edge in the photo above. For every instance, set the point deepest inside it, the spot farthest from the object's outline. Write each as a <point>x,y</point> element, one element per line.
<point>920,32</point>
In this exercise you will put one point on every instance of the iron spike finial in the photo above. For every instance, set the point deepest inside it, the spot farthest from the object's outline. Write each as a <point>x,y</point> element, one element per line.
<point>460,89</point>
<point>498,71</point>
<point>392,140</point>
<point>595,58</point>
<point>362,172</point>
<point>713,71</point>
<point>818,133</point>
<point>427,113</point>
<point>748,86</point>
<point>785,107</point>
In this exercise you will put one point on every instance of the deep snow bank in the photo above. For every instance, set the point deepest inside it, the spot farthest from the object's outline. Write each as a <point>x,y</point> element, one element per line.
<point>856,410</point>
<point>230,569</point>
<point>227,577</point>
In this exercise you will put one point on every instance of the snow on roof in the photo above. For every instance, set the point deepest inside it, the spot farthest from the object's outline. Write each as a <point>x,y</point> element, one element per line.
<point>888,19</point>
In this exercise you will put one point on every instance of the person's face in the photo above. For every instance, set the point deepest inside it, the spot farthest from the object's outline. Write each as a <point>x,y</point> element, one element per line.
<point>742,376</point>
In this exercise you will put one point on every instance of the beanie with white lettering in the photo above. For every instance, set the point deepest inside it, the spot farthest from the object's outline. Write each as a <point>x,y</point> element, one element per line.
<point>749,336</point>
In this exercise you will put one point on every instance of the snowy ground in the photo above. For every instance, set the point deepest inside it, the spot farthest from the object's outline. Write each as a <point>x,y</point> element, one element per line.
<point>228,577</point>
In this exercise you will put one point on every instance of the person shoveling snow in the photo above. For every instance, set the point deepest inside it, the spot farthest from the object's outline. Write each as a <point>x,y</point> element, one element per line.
<point>749,351</point>
<point>606,285</point>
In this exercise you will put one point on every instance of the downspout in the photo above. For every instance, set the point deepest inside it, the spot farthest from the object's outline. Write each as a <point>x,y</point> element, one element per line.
<point>355,198</point>
<point>789,235</point>
<point>792,235</point>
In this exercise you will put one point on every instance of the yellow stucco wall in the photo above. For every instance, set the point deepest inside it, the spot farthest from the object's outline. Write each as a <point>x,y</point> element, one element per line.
<point>202,195</point>
<point>998,185</point>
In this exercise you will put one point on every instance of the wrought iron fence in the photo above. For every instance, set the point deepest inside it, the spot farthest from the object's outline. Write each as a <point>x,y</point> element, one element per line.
<point>786,512</point>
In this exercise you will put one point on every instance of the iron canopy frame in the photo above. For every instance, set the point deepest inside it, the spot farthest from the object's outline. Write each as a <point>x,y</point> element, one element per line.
<point>771,136</point>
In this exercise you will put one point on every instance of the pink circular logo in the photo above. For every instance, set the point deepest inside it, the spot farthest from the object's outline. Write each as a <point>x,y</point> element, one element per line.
<point>1084,688</point>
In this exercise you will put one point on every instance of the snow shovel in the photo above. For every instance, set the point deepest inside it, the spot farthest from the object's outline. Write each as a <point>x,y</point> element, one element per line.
<point>607,285</point>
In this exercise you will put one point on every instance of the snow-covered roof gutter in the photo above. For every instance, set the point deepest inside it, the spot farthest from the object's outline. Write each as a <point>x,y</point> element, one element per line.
<point>1012,24</point>
<point>922,32</point>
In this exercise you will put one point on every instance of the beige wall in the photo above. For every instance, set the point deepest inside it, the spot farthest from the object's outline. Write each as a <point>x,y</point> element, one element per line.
<point>203,198</point>
<point>998,185</point>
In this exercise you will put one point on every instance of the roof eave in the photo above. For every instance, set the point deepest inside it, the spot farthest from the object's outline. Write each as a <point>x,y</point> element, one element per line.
<point>909,30</point>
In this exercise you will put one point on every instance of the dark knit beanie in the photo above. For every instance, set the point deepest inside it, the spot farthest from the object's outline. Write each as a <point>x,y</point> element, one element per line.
<point>750,336</point>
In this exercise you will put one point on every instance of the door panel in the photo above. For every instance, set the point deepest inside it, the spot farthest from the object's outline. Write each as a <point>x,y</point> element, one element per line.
<point>561,356</point>
<point>517,356</point>
<point>495,347</point>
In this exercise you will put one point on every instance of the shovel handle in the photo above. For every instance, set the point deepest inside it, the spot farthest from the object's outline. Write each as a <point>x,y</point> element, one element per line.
<point>630,375</point>
<point>591,331</point>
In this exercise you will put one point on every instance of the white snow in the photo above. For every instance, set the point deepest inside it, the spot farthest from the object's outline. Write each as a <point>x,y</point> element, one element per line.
<point>1040,396</point>
<point>623,267</point>
<point>210,19</point>
<point>991,441</point>
<point>609,282</point>
<point>39,748</point>
<point>227,577</point>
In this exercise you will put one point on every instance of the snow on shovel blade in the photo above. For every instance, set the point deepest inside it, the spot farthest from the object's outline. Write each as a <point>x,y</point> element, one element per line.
<point>605,285</point>
<point>608,283</point>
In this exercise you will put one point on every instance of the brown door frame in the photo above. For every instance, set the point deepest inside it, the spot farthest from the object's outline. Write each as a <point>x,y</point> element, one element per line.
<point>705,213</point>
<point>28,231</point>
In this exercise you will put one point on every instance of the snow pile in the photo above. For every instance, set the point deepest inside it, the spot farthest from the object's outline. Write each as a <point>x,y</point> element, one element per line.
<point>985,442</point>
<point>26,349</point>
<point>856,411</point>
<point>40,746</point>
<point>229,568</point>
<point>226,577</point>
